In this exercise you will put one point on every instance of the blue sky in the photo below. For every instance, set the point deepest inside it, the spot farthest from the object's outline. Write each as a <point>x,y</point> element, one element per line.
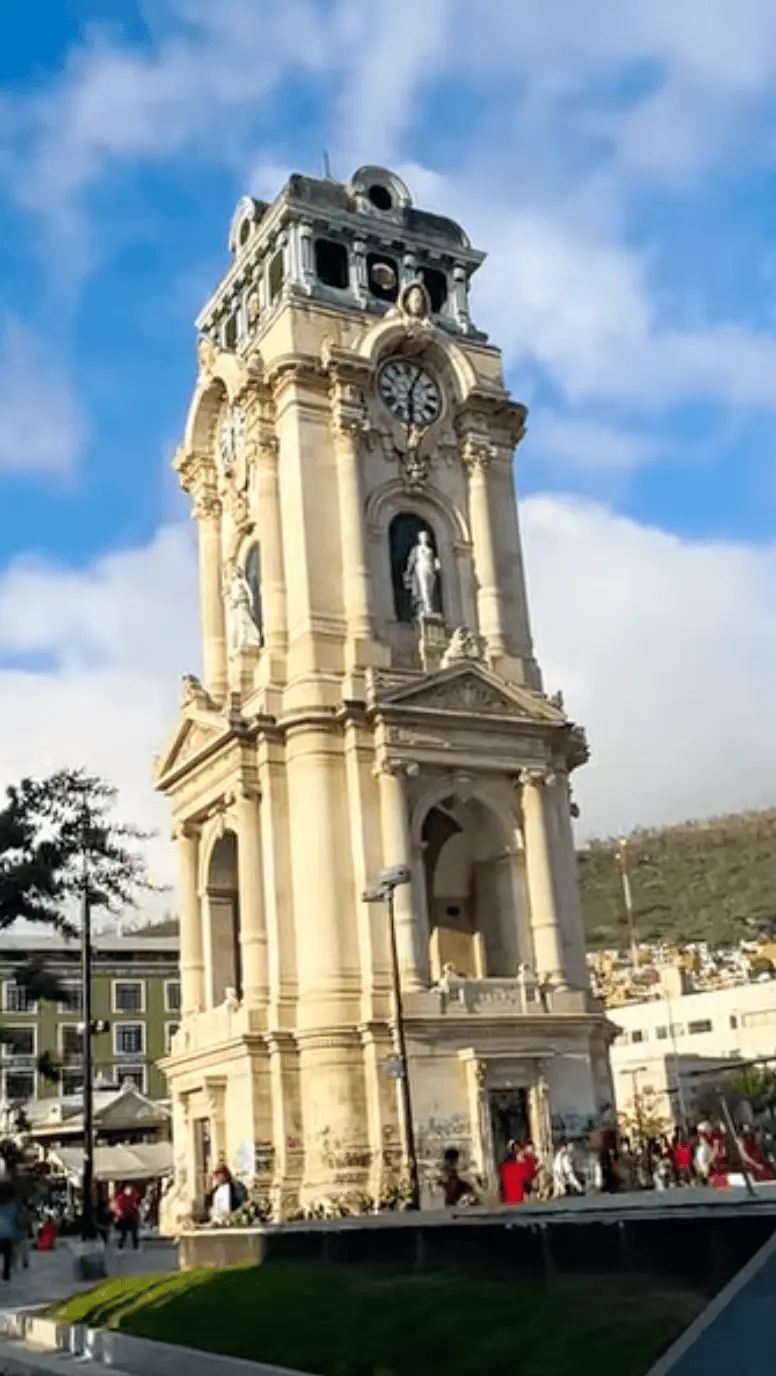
<point>618,162</point>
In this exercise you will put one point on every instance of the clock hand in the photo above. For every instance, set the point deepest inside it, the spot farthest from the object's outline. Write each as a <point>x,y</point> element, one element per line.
<point>410,399</point>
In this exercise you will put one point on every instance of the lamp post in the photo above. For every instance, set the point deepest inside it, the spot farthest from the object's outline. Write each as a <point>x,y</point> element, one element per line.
<point>382,892</point>
<point>87,1206</point>
<point>627,894</point>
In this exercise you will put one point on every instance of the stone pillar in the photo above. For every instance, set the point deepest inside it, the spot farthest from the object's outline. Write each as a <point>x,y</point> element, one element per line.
<point>348,424</point>
<point>253,927</point>
<point>273,581</point>
<point>207,510</point>
<point>192,951</point>
<point>545,925</point>
<point>477,455</point>
<point>541,1117</point>
<point>397,850</point>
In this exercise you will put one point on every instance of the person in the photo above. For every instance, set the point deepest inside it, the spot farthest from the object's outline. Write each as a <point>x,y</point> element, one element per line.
<point>454,1189</point>
<point>47,1233</point>
<point>703,1153</point>
<point>126,1211</point>
<point>681,1156</point>
<point>228,1194</point>
<point>565,1180</point>
<point>9,1226</point>
<point>512,1176</point>
<point>754,1159</point>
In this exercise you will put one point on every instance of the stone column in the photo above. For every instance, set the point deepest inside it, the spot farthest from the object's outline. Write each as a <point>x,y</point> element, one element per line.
<point>478,455</point>
<point>207,510</point>
<point>397,850</point>
<point>348,426</point>
<point>273,581</point>
<point>540,1116</point>
<point>545,924</point>
<point>253,927</point>
<point>192,950</point>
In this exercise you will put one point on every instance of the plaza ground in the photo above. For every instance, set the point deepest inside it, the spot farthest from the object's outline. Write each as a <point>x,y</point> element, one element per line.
<point>349,1322</point>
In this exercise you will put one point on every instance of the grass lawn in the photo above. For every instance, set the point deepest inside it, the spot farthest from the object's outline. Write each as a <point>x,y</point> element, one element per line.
<point>345,1322</point>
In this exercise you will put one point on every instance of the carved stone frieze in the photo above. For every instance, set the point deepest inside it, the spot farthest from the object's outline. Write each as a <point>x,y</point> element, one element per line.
<point>207,503</point>
<point>465,645</point>
<point>468,695</point>
<point>408,736</point>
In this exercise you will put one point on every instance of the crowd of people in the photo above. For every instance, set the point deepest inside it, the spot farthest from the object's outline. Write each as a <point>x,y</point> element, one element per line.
<point>27,1221</point>
<point>705,1155</point>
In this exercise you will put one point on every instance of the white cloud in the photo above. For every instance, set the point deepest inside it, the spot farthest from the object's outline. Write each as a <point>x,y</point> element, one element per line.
<point>42,427</point>
<point>581,444</point>
<point>666,651</point>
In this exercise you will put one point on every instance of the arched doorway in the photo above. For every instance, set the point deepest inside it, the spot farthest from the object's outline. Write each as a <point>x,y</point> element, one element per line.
<point>470,884</point>
<point>223,956</point>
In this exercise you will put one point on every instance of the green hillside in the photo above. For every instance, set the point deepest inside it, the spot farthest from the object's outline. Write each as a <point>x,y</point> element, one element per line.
<point>709,881</point>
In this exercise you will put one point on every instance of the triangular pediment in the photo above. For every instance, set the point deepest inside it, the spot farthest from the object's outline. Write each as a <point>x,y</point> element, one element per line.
<point>195,732</point>
<point>473,690</point>
<point>129,1108</point>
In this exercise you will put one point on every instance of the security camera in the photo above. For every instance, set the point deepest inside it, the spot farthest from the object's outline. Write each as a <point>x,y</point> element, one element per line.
<point>393,877</point>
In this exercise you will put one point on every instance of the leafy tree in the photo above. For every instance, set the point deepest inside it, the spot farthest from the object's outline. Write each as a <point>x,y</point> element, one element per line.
<point>59,843</point>
<point>645,1118</point>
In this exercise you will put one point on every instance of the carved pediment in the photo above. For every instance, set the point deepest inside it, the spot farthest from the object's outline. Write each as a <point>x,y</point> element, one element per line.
<point>195,733</point>
<point>472,690</point>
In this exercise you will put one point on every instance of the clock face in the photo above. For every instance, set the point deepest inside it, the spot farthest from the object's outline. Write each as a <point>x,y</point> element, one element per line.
<point>409,392</point>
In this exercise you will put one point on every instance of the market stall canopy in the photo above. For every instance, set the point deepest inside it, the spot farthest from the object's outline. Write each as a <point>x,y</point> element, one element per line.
<point>123,1110</point>
<point>146,1161</point>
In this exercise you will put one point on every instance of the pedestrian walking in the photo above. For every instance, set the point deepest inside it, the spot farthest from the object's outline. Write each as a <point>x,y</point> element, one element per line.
<point>126,1211</point>
<point>9,1226</point>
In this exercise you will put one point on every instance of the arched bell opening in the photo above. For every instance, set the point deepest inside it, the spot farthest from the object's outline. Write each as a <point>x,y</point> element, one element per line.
<point>223,957</point>
<point>470,884</point>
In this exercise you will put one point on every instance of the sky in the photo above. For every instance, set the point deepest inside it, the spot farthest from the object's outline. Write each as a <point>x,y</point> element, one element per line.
<point>616,160</point>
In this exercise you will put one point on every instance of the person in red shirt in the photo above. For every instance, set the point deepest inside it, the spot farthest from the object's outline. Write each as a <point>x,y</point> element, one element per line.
<point>126,1211</point>
<point>512,1175</point>
<point>755,1160</point>
<point>681,1155</point>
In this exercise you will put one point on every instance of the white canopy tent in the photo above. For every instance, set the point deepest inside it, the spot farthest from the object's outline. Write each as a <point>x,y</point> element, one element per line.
<point>145,1161</point>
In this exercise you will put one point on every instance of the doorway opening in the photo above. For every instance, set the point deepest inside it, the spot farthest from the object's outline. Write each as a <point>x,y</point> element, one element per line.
<point>509,1119</point>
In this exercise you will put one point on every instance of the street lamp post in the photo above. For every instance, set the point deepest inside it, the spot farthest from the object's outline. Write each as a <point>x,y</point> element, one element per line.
<point>383,892</point>
<point>87,1207</point>
<point>627,894</point>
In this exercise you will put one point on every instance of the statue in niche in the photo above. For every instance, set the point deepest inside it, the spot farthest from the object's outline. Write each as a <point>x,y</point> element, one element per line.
<point>421,576</point>
<point>244,630</point>
<point>230,440</point>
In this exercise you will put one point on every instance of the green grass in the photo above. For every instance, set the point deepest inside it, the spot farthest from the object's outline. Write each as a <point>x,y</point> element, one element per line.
<point>345,1322</point>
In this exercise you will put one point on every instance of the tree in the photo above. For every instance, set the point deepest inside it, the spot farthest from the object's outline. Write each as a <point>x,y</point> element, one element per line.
<point>645,1118</point>
<point>58,843</point>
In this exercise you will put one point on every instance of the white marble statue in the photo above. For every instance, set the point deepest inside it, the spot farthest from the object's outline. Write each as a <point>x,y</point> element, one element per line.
<point>421,576</point>
<point>230,440</point>
<point>244,633</point>
<point>465,645</point>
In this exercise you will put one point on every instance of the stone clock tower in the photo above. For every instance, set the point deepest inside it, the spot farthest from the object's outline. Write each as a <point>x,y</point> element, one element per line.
<point>370,698</point>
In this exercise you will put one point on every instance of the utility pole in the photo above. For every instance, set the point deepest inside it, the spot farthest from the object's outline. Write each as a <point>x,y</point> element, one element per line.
<point>87,1207</point>
<point>623,862</point>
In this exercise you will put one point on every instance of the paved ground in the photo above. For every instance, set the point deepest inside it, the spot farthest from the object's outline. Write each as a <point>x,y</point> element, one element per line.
<point>51,1275</point>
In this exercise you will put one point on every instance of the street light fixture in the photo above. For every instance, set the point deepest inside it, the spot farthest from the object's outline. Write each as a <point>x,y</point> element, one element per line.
<point>383,891</point>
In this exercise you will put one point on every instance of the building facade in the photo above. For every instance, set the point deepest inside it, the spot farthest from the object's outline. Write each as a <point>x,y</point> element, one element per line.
<point>370,698</point>
<point>670,1049</point>
<point>135,989</point>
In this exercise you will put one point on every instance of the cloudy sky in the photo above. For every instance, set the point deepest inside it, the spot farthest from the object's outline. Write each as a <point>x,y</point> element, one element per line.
<point>615,158</point>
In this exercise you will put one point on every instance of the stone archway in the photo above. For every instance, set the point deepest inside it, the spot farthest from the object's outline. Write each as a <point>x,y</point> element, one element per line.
<point>223,956</point>
<point>472,894</point>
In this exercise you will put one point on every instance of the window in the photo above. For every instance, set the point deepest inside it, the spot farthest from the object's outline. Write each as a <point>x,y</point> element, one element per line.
<point>129,996</point>
<point>19,1000</point>
<point>72,1082</point>
<point>129,1039</point>
<point>275,276</point>
<point>230,332</point>
<point>380,197</point>
<point>638,1036</point>
<point>700,1025</point>
<point>761,1018</point>
<point>74,1001</point>
<point>70,1040</point>
<point>733,1022</point>
<point>19,1085</point>
<point>383,276</point>
<point>172,996</point>
<point>169,1032</point>
<point>331,263</point>
<point>435,283</point>
<point>135,1073</point>
<point>22,1042</point>
<point>661,1033</point>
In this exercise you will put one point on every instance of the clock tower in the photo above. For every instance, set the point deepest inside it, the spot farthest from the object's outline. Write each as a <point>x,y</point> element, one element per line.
<point>370,698</point>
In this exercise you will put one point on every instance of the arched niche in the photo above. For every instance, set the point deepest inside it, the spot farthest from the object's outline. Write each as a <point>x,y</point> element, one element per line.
<point>215,388</point>
<point>434,512</point>
<point>403,533</point>
<point>223,959</point>
<point>252,568</point>
<point>433,350</point>
<point>475,917</point>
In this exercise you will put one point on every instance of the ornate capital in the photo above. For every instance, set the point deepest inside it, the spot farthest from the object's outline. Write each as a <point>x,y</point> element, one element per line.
<point>536,776</point>
<point>398,768</point>
<point>477,452</point>
<point>207,504</point>
<point>348,407</point>
<point>207,353</point>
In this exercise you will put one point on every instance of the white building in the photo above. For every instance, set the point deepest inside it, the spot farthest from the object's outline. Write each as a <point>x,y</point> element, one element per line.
<point>673,1045</point>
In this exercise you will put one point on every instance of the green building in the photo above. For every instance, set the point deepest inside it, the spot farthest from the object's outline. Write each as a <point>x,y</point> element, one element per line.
<point>135,989</point>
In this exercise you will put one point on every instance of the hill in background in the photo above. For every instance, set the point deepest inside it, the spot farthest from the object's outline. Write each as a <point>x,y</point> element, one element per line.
<point>709,881</point>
